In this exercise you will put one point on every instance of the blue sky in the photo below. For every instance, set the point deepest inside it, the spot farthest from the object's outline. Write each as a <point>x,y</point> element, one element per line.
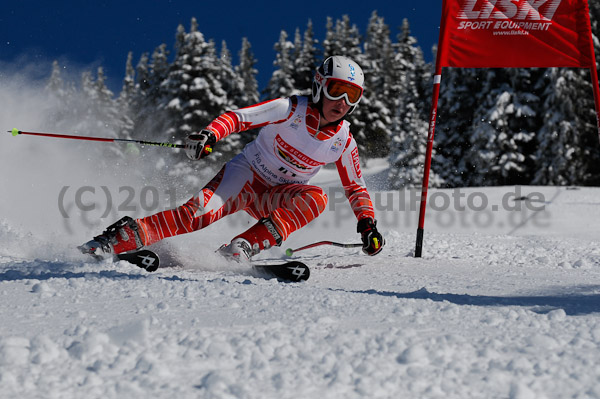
<point>83,35</point>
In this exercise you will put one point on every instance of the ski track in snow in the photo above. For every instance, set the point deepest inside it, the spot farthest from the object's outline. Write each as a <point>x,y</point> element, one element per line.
<point>498,313</point>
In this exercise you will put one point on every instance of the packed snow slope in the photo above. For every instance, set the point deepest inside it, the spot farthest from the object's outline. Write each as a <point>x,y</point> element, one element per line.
<point>504,303</point>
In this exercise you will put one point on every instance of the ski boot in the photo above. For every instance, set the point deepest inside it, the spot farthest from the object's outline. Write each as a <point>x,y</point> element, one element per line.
<point>122,236</point>
<point>262,235</point>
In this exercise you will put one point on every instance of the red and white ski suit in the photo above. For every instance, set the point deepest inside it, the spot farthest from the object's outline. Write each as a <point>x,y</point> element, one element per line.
<point>269,177</point>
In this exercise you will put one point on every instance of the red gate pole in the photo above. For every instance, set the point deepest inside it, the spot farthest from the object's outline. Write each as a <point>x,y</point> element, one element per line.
<point>437,80</point>
<point>420,230</point>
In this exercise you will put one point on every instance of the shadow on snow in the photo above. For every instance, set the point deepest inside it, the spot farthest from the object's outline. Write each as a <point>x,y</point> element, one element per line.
<point>573,304</point>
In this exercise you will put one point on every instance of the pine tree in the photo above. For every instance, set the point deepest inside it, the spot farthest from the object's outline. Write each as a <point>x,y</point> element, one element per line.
<point>233,84</point>
<point>568,140</point>
<point>125,101</point>
<point>342,39</point>
<point>372,119</point>
<point>95,112</point>
<point>329,42</point>
<point>151,118</point>
<point>305,60</point>
<point>159,70</point>
<point>594,162</point>
<point>282,82</point>
<point>61,99</point>
<point>142,73</point>
<point>504,130</point>
<point>106,108</point>
<point>55,85</point>
<point>457,103</point>
<point>231,81</point>
<point>193,94</point>
<point>129,88</point>
<point>410,120</point>
<point>248,72</point>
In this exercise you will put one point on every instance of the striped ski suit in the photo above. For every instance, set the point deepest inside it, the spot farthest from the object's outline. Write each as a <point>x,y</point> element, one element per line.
<point>270,177</point>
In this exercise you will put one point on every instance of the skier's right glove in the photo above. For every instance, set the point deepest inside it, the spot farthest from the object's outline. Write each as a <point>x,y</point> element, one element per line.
<point>199,145</point>
<point>372,240</point>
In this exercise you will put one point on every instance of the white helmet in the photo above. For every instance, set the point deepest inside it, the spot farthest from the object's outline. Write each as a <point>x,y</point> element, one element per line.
<point>338,77</point>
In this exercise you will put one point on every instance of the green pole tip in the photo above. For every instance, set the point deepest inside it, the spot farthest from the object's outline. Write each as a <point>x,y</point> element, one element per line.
<point>15,132</point>
<point>289,252</point>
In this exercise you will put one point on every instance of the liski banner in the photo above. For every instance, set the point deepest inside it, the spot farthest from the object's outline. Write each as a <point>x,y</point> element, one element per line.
<point>509,34</point>
<point>516,33</point>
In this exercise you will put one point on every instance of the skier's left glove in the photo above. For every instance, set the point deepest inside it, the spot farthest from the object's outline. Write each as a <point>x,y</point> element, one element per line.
<point>199,145</point>
<point>373,241</point>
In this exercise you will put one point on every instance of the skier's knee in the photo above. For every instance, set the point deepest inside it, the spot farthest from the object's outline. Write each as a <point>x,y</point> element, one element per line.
<point>315,199</point>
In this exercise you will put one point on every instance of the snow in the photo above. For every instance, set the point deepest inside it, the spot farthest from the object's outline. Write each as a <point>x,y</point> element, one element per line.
<point>504,303</point>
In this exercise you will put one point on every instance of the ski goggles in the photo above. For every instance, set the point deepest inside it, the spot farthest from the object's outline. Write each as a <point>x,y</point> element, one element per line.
<point>336,89</point>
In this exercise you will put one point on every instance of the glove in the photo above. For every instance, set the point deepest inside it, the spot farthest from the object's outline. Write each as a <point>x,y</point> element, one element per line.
<point>199,145</point>
<point>372,240</point>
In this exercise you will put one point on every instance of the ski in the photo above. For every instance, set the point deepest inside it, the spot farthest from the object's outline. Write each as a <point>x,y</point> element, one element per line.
<point>144,258</point>
<point>290,271</point>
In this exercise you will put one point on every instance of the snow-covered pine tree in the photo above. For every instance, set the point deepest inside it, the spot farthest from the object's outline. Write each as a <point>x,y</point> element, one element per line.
<point>408,73</point>
<point>126,99</point>
<point>568,139</point>
<point>247,72</point>
<point>379,57</point>
<point>306,59</point>
<point>595,21</point>
<point>90,102</point>
<point>297,49</point>
<point>159,71</point>
<point>61,101</point>
<point>96,113</point>
<point>233,84</point>
<point>343,38</point>
<point>110,117</point>
<point>216,100</point>
<point>249,94</point>
<point>282,82</point>
<point>142,73</point>
<point>458,101</point>
<point>504,127</point>
<point>56,84</point>
<point>231,81</point>
<point>193,94</point>
<point>372,118</point>
<point>139,102</point>
<point>151,120</point>
<point>128,89</point>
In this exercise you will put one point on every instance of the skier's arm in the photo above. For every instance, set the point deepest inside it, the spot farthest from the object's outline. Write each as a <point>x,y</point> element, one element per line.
<point>356,191</point>
<point>348,166</point>
<point>252,117</point>
<point>199,145</point>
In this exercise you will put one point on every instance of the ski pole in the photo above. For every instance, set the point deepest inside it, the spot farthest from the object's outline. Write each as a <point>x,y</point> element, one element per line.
<point>290,251</point>
<point>16,132</point>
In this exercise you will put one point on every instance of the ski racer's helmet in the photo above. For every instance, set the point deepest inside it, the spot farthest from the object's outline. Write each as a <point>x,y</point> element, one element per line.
<point>338,77</point>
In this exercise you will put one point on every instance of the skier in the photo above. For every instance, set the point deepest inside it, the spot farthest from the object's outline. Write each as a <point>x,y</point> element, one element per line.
<point>268,179</point>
